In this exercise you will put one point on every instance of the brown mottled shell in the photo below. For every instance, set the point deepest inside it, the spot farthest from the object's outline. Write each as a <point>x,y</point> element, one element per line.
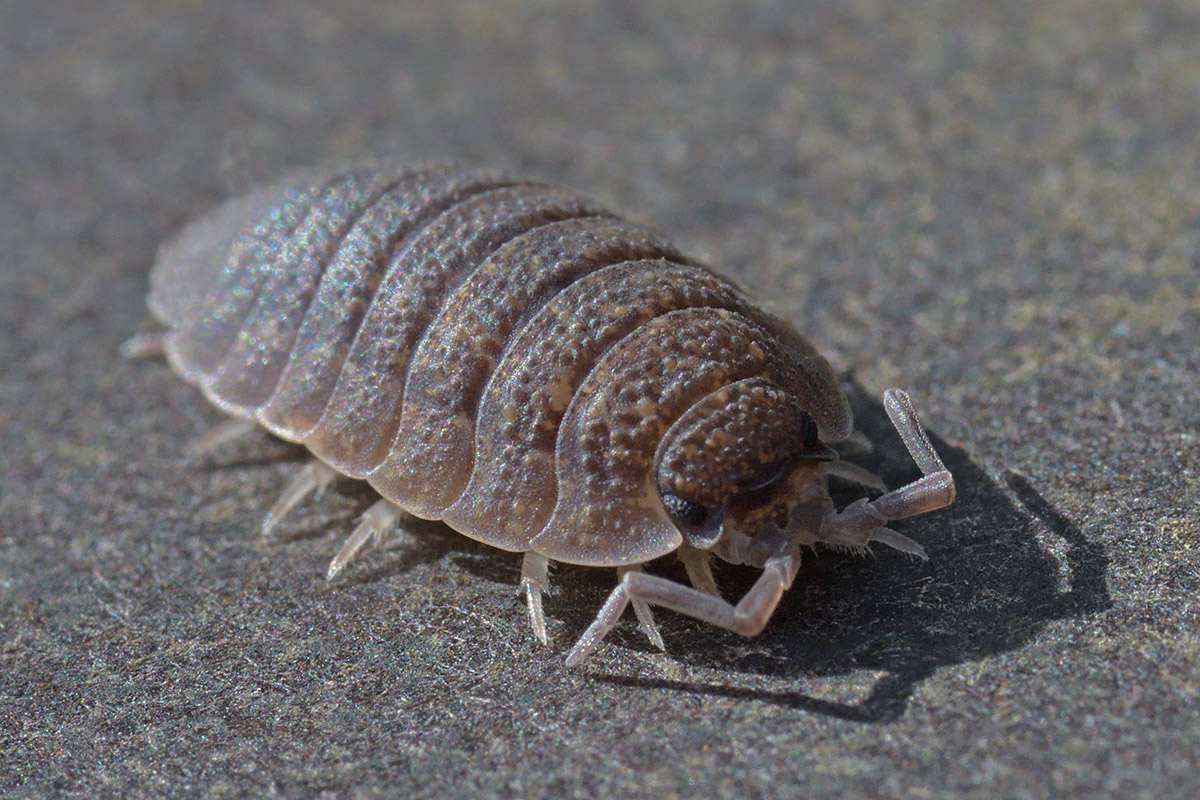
<point>500,354</point>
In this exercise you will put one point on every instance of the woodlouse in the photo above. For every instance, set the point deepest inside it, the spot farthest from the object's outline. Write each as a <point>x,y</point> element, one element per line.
<point>533,370</point>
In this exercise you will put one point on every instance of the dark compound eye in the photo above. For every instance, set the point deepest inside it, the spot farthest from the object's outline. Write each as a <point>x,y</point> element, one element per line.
<point>808,429</point>
<point>685,511</point>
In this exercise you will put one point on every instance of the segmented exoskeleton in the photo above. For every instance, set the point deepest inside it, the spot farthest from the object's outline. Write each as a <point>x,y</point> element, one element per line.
<point>543,376</point>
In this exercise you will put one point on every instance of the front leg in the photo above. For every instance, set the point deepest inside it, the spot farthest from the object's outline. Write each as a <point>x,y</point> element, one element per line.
<point>747,618</point>
<point>863,521</point>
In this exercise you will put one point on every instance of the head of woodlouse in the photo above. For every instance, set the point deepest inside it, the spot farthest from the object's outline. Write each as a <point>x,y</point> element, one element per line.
<point>741,475</point>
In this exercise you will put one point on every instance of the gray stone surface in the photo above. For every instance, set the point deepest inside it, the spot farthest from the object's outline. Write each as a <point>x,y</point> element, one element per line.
<point>994,204</point>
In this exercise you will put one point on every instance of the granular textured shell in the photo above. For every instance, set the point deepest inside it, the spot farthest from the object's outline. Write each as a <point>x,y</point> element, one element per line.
<point>498,353</point>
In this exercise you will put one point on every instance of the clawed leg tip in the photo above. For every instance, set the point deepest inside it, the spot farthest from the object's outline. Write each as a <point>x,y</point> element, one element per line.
<point>374,526</point>
<point>535,581</point>
<point>900,542</point>
<point>919,555</point>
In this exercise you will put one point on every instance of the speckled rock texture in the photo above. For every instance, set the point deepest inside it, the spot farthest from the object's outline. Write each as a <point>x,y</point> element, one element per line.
<point>993,204</point>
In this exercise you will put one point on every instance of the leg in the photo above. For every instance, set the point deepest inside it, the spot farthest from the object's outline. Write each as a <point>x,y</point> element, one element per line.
<point>315,476</point>
<point>144,345</point>
<point>698,564</point>
<point>747,618</point>
<point>377,521</point>
<point>863,521</point>
<point>900,411</point>
<point>535,579</point>
<point>854,474</point>
<point>642,610</point>
<point>226,431</point>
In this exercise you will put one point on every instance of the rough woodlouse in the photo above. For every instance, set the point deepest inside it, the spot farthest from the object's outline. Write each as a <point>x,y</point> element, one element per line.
<point>538,373</point>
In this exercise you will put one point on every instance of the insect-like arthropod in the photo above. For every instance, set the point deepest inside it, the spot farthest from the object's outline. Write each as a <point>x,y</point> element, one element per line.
<point>540,374</point>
